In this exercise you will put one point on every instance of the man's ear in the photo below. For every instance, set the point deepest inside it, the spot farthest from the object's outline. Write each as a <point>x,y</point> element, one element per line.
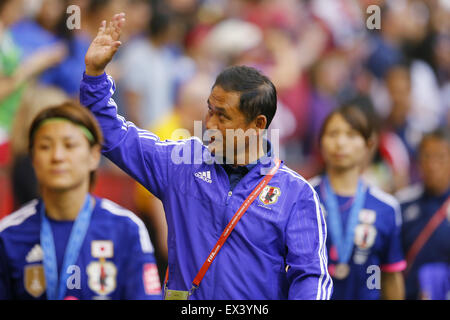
<point>260,122</point>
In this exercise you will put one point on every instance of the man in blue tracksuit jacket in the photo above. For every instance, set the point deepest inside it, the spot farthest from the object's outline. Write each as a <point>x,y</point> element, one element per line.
<point>277,250</point>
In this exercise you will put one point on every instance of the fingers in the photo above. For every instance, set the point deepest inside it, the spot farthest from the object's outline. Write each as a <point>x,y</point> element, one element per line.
<point>116,44</point>
<point>102,28</point>
<point>116,25</point>
<point>110,28</point>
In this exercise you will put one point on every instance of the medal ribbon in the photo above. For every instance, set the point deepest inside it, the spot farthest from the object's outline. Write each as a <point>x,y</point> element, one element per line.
<point>425,235</point>
<point>343,243</point>
<point>56,290</point>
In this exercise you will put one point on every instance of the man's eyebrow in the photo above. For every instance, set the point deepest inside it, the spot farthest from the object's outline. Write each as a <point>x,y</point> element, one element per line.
<point>220,109</point>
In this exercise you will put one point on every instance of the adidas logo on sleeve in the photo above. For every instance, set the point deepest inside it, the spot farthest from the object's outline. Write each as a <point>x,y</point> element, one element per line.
<point>204,175</point>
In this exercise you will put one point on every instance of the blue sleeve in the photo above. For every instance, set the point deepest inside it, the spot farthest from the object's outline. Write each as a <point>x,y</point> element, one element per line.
<point>139,153</point>
<point>307,254</point>
<point>393,258</point>
<point>142,281</point>
<point>5,286</point>
<point>434,281</point>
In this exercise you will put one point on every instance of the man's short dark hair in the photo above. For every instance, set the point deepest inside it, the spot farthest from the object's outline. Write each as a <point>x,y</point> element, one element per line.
<point>258,95</point>
<point>442,134</point>
<point>3,3</point>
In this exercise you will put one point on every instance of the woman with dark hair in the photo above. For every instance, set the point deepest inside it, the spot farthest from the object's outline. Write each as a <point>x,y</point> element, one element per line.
<point>364,246</point>
<point>70,244</point>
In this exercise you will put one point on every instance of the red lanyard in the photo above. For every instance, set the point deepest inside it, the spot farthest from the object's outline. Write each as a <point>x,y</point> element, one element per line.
<point>426,233</point>
<point>229,228</point>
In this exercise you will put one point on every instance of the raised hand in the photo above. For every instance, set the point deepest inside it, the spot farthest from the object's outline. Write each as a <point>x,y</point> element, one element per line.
<point>104,46</point>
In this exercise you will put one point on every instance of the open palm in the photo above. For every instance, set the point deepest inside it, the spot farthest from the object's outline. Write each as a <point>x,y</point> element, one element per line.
<point>104,46</point>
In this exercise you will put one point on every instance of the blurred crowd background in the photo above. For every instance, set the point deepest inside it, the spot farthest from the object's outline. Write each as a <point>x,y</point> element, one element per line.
<point>319,54</point>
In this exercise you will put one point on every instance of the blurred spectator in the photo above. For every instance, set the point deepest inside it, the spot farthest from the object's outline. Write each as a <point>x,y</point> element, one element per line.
<point>329,77</point>
<point>153,72</point>
<point>93,12</point>
<point>16,72</point>
<point>398,138</point>
<point>35,99</point>
<point>414,109</point>
<point>185,14</point>
<point>425,207</point>
<point>405,38</point>
<point>139,13</point>
<point>441,63</point>
<point>385,44</point>
<point>343,20</point>
<point>46,27</point>
<point>426,106</point>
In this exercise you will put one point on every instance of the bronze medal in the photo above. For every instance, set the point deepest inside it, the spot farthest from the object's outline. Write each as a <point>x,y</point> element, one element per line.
<point>342,271</point>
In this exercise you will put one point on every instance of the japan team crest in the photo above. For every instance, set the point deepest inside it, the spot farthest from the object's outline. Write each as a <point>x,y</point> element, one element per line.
<point>365,232</point>
<point>365,235</point>
<point>102,273</point>
<point>102,277</point>
<point>269,195</point>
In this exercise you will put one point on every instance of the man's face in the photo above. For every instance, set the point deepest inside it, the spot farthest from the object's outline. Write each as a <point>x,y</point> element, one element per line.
<point>435,164</point>
<point>225,118</point>
<point>50,13</point>
<point>11,12</point>
<point>399,88</point>
<point>342,146</point>
<point>62,156</point>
